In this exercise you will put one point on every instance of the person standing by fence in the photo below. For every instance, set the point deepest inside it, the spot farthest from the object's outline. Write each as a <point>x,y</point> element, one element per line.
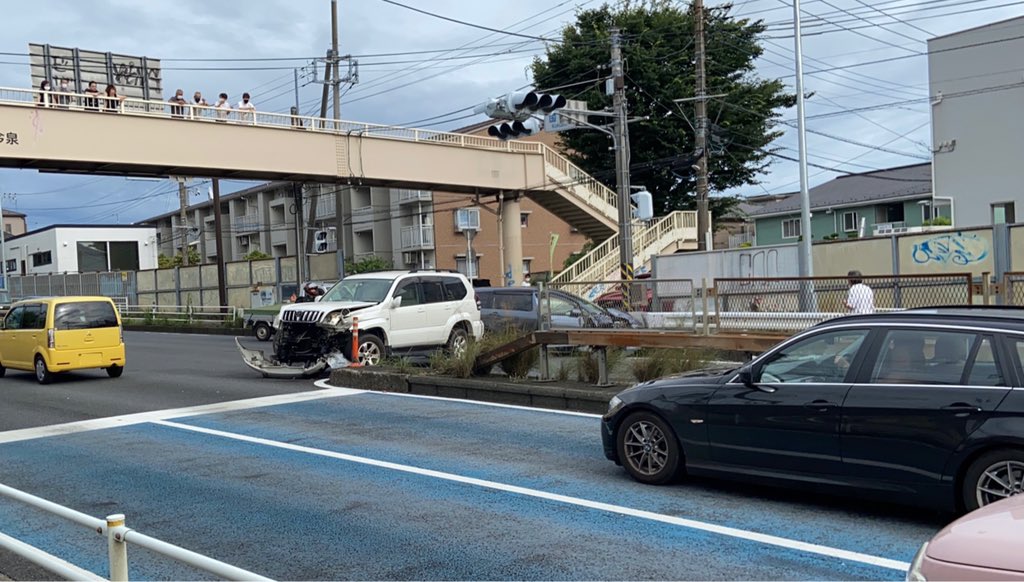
<point>860,298</point>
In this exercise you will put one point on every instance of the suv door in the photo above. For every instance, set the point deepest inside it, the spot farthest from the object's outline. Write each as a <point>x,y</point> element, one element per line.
<point>920,394</point>
<point>789,420</point>
<point>501,309</point>
<point>438,310</point>
<point>407,328</point>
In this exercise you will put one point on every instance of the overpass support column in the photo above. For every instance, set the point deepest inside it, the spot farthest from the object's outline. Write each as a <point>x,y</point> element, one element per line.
<point>512,240</point>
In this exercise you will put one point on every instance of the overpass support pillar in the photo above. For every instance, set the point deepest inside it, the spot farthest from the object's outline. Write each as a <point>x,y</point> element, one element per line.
<point>512,239</point>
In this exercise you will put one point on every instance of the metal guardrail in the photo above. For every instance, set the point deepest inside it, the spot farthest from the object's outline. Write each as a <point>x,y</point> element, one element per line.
<point>180,313</point>
<point>1013,289</point>
<point>652,303</point>
<point>118,537</point>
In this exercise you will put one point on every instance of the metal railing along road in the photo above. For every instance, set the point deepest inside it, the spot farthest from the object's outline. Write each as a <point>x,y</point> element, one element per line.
<point>650,303</point>
<point>118,537</point>
<point>179,313</point>
<point>791,304</point>
<point>1013,289</point>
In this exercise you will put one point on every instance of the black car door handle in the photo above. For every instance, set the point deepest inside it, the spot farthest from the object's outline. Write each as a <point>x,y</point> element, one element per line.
<point>962,407</point>
<point>821,405</point>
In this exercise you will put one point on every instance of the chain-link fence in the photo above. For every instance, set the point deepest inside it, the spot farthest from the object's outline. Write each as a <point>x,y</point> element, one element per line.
<point>116,284</point>
<point>641,303</point>
<point>1013,289</point>
<point>788,304</point>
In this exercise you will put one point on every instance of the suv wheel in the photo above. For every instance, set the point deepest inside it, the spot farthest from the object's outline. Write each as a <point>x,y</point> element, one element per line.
<point>458,342</point>
<point>370,350</point>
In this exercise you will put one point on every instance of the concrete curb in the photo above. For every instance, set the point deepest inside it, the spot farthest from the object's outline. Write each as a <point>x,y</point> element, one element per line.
<point>528,393</point>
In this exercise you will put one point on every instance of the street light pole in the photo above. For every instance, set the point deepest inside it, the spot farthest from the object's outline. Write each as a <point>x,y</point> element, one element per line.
<point>806,268</point>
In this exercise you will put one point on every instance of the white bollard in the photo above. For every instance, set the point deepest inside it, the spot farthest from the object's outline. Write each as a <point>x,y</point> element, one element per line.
<point>117,549</point>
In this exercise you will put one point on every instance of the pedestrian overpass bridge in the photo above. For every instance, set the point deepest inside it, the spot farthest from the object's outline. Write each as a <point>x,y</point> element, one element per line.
<point>134,137</point>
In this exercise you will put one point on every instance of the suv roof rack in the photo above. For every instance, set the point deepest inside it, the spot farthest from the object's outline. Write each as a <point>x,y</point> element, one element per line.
<point>432,270</point>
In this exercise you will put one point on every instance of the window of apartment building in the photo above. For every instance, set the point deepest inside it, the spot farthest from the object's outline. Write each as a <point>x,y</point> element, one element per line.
<point>460,266</point>
<point>524,219</point>
<point>849,221</point>
<point>526,266</point>
<point>1003,213</point>
<point>97,256</point>
<point>467,219</point>
<point>42,259</point>
<point>791,228</point>
<point>12,265</point>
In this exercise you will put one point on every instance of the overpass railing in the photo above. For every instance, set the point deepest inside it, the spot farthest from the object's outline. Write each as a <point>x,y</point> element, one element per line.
<point>118,537</point>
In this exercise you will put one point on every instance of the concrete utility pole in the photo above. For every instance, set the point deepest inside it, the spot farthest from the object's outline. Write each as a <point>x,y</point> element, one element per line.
<point>806,268</point>
<point>183,218</point>
<point>334,64</point>
<point>701,140</point>
<point>3,245</point>
<point>622,161</point>
<point>218,229</point>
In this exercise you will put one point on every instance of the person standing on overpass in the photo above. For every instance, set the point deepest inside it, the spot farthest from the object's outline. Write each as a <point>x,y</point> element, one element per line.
<point>860,298</point>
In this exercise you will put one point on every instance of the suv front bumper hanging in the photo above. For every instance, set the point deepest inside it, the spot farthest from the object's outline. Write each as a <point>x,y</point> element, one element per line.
<point>271,368</point>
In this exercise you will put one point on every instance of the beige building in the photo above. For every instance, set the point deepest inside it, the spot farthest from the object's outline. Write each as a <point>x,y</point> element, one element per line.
<point>14,223</point>
<point>538,225</point>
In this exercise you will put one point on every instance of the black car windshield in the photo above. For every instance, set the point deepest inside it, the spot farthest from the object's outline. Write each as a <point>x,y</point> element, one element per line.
<point>368,290</point>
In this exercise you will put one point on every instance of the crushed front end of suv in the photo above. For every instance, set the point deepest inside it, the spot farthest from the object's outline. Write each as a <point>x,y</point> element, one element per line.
<point>394,310</point>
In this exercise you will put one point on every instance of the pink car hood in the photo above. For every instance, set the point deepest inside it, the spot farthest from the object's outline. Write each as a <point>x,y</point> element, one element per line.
<point>991,537</point>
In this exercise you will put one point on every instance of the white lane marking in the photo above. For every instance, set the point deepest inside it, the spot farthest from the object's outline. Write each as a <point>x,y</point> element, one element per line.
<point>144,417</point>
<point>618,509</point>
<point>326,384</point>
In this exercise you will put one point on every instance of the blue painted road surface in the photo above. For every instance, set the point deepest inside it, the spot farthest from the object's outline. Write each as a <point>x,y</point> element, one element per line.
<point>349,485</point>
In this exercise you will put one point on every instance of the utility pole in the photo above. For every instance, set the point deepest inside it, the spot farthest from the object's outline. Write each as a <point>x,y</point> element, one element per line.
<point>297,112</point>
<point>701,140</point>
<point>806,268</point>
<point>300,254</point>
<point>622,164</point>
<point>3,246</point>
<point>183,218</point>
<point>218,229</point>
<point>334,64</point>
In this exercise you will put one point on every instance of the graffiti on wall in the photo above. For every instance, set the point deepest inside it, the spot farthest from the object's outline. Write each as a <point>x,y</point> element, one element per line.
<point>953,248</point>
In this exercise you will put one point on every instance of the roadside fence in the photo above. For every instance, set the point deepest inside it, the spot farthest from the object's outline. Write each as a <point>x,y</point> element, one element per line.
<point>118,537</point>
<point>191,314</point>
<point>110,284</point>
<point>1013,289</point>
<point>748,304</point>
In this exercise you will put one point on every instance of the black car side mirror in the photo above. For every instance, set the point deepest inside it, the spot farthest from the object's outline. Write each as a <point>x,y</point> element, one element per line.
<point>746,376</point>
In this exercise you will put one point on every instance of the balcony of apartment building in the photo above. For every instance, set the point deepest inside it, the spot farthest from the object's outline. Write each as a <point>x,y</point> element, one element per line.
<point>418,237</point>
<point>326,206</point>
<point>363,219</point>
<point>246,223</point>
<point>410,196</point>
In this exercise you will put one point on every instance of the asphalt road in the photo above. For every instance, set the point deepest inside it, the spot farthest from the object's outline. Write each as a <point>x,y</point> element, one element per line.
<point>163,371</point>
<point>344,484</point>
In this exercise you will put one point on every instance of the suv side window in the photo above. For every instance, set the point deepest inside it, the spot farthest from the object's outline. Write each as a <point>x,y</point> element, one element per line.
<point>455,289</point>
<point>408,290</point>
<point>433,291</point>
<point>514,301</point>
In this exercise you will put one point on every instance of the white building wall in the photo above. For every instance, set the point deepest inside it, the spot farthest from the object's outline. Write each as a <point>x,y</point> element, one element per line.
<point>63,246</point>
<point>975,84</point>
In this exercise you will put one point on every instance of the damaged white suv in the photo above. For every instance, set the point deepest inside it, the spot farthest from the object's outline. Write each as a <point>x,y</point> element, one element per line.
<point>397,311</point>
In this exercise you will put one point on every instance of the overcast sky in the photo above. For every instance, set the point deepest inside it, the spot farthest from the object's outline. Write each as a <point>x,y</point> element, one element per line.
<point>394,91</point>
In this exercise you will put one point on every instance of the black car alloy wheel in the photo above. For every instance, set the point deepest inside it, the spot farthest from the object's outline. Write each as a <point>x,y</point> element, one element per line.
<point>649,449</point>
<point>993,476</point>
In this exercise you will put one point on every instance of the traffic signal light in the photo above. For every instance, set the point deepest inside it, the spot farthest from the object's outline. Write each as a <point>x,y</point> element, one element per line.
<point>320,242</point>
<point>519,110</point>
<point>644,205</point>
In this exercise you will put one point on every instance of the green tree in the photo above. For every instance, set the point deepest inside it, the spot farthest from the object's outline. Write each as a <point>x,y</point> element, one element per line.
<point>366,265</point>
<point>658,51</point>
<point>165,262</point>
<point>256,255</point>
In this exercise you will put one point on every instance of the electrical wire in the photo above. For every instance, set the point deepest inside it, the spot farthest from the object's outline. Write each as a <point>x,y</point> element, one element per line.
<point>470,24</point>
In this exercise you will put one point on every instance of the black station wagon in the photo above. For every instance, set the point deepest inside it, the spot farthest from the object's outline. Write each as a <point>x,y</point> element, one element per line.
<point>924,406</point>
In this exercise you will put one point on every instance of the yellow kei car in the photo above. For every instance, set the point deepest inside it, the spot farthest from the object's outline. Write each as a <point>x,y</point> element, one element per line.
<point>57,334</point>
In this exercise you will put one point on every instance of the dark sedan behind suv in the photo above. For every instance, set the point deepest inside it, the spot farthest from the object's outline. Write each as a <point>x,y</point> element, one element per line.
<point>524,308</point>
<point>923,406</point>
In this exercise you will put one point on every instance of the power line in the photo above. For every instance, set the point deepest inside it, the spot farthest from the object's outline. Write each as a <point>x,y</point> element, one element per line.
<point>470,24</point>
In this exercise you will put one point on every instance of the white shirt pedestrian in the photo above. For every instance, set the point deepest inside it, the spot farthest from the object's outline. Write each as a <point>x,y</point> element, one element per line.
<point>246,109</point>
<point>860,299</point>
<point>223,108</point>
